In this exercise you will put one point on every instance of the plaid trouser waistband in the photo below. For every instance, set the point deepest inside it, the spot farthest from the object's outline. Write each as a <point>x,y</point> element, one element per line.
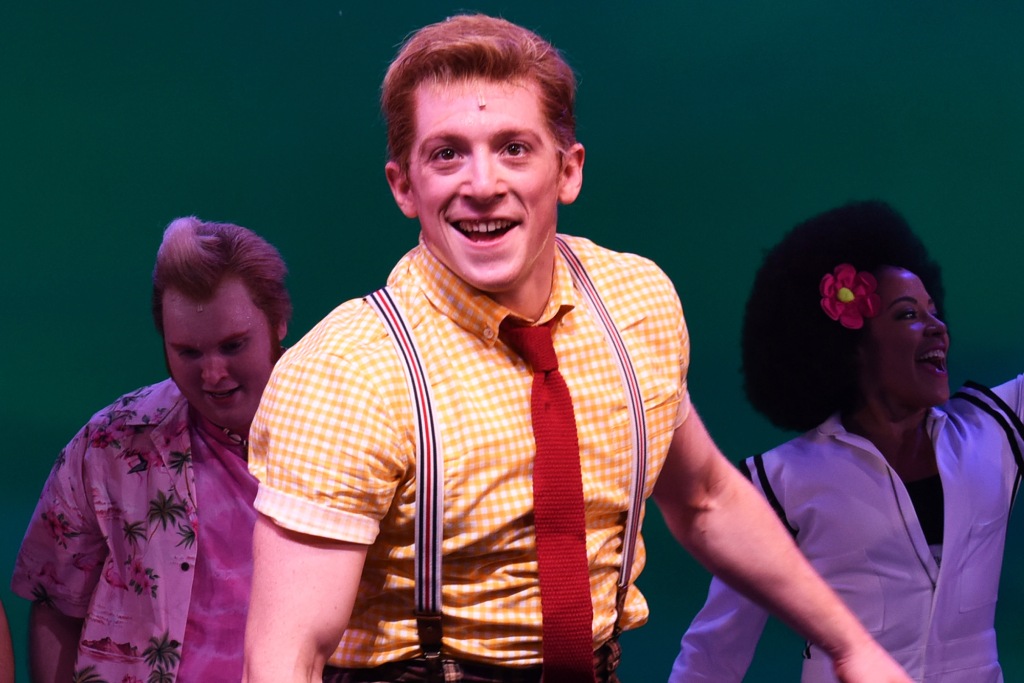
<point>419,670</point>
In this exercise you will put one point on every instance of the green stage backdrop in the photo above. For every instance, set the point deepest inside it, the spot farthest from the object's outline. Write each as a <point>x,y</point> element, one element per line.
<point>710,127</point>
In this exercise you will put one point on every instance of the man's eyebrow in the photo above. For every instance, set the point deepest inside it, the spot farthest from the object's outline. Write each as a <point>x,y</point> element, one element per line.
<point>456,135</point>
<point>234,336</point>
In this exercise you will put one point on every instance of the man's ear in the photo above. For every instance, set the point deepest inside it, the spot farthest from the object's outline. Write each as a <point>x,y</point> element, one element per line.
<point>570,177</point>
<point>401,189</point>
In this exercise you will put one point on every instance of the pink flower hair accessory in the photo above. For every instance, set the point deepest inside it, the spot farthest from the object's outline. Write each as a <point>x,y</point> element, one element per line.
<point>849,296</point>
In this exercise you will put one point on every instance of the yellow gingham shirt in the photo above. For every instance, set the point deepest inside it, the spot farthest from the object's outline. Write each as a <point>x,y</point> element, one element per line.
<point>334,450</point>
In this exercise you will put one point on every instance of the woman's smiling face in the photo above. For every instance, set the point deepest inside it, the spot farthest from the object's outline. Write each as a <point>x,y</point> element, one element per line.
<point>903,353</point>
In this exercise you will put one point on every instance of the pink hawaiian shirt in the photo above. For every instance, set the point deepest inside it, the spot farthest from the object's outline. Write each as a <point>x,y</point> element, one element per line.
<point>113,540</point>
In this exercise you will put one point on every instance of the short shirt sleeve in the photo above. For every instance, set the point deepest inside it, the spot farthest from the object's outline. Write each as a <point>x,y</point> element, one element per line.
<point>63,552</point>
<point>324,444</point>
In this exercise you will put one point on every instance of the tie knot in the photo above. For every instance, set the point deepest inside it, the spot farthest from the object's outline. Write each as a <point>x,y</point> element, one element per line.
<point>533,344</point>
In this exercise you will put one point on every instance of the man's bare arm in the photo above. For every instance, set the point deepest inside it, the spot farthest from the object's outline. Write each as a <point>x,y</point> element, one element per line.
<point>52,644</point>
<point>717,515</point>
<point>302,595</point>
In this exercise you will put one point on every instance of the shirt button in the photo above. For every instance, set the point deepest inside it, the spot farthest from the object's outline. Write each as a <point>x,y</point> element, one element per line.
<point>488,333</point>
<point>185,566</point>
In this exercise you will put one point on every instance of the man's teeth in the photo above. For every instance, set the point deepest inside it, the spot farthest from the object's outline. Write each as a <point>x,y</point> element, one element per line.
<point>482,226</point>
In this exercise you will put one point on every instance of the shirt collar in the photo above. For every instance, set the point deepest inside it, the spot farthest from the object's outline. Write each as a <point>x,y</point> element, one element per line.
<point>475,311</point>
<point>833,426</point>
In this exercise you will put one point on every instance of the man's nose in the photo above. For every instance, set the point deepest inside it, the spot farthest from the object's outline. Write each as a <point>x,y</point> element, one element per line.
<point>214,369</point>
<point>486,180</point>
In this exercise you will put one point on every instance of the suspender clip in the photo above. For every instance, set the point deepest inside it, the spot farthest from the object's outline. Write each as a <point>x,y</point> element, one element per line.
<point>429,626</point>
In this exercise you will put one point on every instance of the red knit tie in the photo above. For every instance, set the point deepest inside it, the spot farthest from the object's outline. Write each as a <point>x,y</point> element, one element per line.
<point>558,513</point>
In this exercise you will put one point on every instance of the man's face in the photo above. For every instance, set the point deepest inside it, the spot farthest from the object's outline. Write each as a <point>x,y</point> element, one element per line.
<point>220,352</point>
<point>485,178</point>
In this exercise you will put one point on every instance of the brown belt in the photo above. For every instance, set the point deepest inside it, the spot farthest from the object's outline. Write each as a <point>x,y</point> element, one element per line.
<point>419,670</point>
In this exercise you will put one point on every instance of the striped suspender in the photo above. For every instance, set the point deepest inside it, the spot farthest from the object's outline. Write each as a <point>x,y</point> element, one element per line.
<point>635,406</point>
<point>429,475</point>
<point>988,401</point>
<point>429,461</point>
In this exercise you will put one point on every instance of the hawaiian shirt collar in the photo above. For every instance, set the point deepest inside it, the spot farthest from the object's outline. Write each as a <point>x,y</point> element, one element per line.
<point>161,407</point>
<point>153,404</point>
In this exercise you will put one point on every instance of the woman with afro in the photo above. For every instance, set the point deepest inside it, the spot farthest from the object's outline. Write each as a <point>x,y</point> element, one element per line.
<point>898,493</point>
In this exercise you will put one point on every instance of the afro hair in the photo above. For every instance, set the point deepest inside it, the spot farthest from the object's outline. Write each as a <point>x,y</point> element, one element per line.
<point>799,366</point>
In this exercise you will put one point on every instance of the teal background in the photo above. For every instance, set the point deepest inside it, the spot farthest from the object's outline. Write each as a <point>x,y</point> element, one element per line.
<point>710,127</point>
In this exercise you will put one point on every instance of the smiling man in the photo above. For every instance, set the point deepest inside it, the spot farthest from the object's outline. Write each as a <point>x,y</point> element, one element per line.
<point>138,558</point>
<point>453,472</point>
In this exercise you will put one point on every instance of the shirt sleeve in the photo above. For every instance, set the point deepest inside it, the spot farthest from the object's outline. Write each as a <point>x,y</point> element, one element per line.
<point>324,444</point>
<point>1012,393</point>
<point>719,645</point>
<point>63,553</point>
<point>681,350</point>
